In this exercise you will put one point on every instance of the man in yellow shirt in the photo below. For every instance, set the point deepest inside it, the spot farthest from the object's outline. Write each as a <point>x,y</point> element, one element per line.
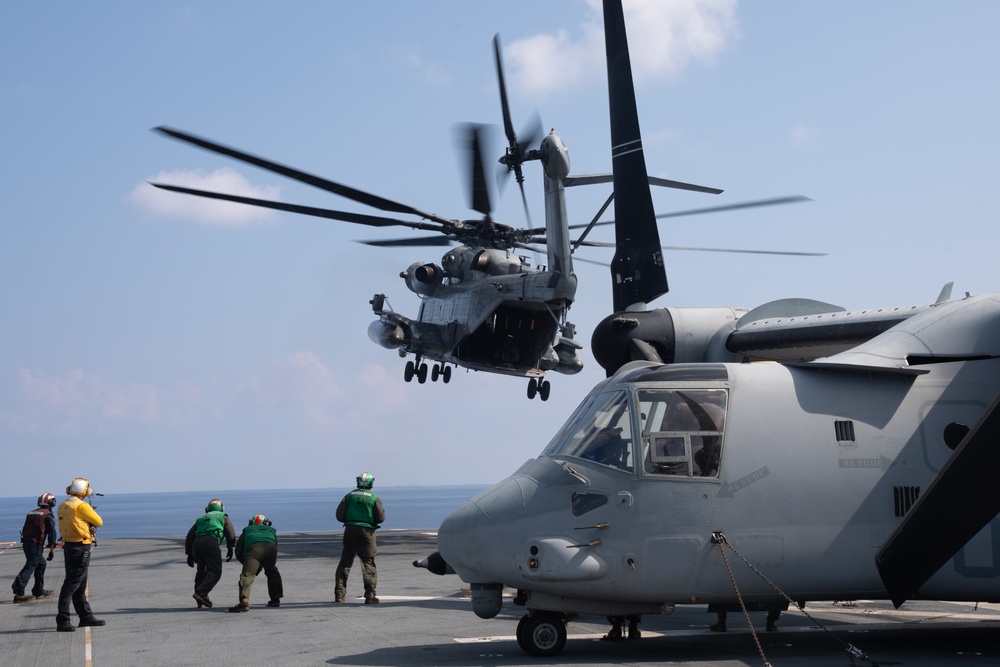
<point>77,523</point>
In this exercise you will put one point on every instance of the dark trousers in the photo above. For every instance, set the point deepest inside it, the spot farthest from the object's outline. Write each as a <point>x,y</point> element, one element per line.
<point>261,556</point>
<point>208,557</point>
<point>75,584</point>
<point>34,564</point>
<point>358,542</point>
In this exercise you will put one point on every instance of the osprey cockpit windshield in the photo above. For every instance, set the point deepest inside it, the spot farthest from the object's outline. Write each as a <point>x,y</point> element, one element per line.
<point>663,429</point>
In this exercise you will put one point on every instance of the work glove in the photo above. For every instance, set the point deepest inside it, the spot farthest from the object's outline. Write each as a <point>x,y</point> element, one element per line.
<point>229,555</point>
<point>52,554</point>
<point>190,561</point>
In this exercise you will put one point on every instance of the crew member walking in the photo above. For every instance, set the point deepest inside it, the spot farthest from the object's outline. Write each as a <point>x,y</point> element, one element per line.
<point>78,523</point>
<point>39,527</point>
<point>257,549</point>
<point>202,546</point>
<point>361,513</point>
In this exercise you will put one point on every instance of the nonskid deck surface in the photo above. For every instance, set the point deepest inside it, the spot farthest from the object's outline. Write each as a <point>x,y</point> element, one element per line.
<point>142,588</point>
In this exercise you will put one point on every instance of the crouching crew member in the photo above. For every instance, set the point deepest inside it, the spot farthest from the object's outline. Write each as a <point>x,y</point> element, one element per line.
<point>203,547</point>
<point>78,523</point>
<point>257,549</point>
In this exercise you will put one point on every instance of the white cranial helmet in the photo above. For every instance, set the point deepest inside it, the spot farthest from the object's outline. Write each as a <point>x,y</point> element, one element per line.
<point>79,487</point>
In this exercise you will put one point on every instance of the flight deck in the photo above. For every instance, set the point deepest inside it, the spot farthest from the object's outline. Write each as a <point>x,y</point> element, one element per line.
<point>142,587</point>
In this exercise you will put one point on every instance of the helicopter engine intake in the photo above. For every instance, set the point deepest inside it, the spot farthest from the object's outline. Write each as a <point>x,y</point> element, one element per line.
<point>388,335</point>
<point>423,279</point>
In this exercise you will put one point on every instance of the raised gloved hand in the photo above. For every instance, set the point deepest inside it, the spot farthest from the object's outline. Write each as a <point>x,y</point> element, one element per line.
<point>52,554</point>
<point>229,554</point>
<point>190,561</point>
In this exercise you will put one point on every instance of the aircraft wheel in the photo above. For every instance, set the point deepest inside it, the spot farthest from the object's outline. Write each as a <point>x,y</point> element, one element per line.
<point>446,374</point>
<point>543,390</point>
<point>541,635</point>
<point>532,388</point>
<point>422,374</point>
<point>409,371</point>
<point>435,372</point>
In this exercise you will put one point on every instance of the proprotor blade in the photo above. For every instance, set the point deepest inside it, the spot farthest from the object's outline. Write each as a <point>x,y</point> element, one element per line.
<point>309,179</point>
<point>959,503</point>
<point>637,270</point>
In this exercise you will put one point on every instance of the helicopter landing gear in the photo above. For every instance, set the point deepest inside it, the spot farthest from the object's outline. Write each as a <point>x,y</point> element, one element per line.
<point>542,635</point>
<point>539,388</point>
<point>416,369</point>
<point>443,371</point>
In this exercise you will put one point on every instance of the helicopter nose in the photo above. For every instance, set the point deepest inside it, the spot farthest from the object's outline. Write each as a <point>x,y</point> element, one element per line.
<point>472,539</point>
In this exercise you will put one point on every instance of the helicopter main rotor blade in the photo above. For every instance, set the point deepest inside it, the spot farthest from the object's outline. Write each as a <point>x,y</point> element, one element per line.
<point>603,244</point>
<point>773,201</point>
<point>480,194</point>
<point>594,179</point>
<point>423,241</point>
<point>729,207</point>
<point>358,218</point>
<point>330,186</point>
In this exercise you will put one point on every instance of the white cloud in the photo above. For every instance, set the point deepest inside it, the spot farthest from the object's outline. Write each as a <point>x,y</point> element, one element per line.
<point>430,72</point>
<point>77,401</point>
<point>164,203</point>
<point>803,135</point>
<point>664,38</point>
<point>302,387</point>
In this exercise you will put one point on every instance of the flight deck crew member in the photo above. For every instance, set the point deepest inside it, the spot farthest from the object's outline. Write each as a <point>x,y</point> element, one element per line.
<point>202,546</point>
<point>257,549</point>
<point>77,524</point>
<point>39,527</point>
<point>361,513</point>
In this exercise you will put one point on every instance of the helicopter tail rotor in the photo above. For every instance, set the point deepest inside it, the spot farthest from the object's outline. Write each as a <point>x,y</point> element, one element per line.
<point>518,148</point>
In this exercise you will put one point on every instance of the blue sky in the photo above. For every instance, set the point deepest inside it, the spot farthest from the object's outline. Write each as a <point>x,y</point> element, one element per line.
<point>151,343</point>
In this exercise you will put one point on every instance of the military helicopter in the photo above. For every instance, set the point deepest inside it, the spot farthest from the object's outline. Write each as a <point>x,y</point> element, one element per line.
<point>670,483</point>
<point>484,307</point>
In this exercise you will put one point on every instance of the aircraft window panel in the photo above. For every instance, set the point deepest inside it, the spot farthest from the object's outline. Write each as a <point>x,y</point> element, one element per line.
<point>583,503</point>
<point>683,431</point>
<point>667,448</point>
<point>599,431</point>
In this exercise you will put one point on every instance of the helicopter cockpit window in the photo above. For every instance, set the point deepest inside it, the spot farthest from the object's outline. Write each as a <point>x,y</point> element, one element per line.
<point>682,431</point>
<point>600,430</point>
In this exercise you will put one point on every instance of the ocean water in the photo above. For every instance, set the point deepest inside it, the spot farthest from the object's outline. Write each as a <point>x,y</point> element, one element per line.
<point>291,510</point>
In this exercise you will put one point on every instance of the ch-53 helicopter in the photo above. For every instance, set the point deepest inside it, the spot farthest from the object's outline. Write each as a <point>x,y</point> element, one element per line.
<point>864,473</point>
<point>484,307</point>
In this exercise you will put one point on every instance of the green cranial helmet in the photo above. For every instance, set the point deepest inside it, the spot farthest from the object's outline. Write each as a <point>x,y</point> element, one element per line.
<point>365,480</point>
<point>215,505</point>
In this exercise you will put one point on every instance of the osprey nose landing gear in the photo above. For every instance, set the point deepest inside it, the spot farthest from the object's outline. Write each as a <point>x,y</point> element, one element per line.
<point>539,387</point>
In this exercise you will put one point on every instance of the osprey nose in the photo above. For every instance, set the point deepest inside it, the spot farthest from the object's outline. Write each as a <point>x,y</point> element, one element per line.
<point>474,538</point>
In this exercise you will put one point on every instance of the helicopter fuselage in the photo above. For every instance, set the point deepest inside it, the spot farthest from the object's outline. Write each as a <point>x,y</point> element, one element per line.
<point>490,311</point>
